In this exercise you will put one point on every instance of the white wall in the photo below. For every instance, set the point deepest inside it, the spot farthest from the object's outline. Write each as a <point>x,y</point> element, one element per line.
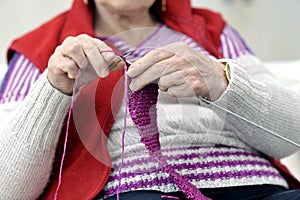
<point>19,16</point>
<point>271,27</point>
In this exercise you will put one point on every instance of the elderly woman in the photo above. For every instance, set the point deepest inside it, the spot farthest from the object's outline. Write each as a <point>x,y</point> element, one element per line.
<point>197,63</point>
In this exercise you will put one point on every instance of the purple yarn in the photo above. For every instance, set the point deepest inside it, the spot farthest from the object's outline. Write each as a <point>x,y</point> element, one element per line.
<point>142,109</point>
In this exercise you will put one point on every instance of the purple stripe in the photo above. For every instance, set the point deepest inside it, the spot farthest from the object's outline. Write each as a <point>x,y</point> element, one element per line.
<point>228,43</point>
<point>10,77</point>
<point>236,42</point>
<point>196,177</point>
<point>25,84</point>
<point>15,71</point>
<point>10,72</point>
<point>190,157</point>
<point>195,46</point>
<point>200,147</point>
<point>231,43</point>
<point>27,75</point>
<point>196,165</point>
<point>151,36</point>
<point>222,47</point>
<point>34,79</point>
<point>5,81</point>
<point>239,41</point>
<point>35,73</point>
<point>226,46</point>
<point>239,45</point>
<point>234,46</point>
<point>19,78</point>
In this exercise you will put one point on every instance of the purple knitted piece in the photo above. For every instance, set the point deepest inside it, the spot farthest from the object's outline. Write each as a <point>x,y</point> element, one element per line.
<point>142,109</point>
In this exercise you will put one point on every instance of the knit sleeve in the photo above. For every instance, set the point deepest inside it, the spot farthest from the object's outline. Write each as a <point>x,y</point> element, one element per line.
<point>254,95</point>
<point>28,141</point>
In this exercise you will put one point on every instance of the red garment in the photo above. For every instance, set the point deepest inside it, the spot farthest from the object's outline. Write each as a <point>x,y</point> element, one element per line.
<point>85,173</point>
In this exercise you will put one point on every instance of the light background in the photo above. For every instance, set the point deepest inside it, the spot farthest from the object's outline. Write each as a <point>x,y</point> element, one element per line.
<point>271,27</point>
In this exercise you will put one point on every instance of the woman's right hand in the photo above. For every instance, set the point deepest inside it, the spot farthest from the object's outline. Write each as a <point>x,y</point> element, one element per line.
<point>92,56</point>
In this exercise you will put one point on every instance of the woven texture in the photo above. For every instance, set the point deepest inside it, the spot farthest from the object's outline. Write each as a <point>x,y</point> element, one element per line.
<point>142,109</point>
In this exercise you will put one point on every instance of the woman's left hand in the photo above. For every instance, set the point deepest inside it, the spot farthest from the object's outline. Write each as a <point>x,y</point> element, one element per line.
<point>180,71</point>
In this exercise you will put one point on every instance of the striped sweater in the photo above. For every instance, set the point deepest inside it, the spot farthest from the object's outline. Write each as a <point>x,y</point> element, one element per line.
<point>197,140</point>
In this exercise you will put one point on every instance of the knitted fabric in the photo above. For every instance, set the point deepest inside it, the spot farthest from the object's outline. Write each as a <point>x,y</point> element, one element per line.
<point>143,113</point>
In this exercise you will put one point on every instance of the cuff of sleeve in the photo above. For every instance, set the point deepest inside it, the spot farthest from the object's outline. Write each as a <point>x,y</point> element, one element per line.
<point>243,94</point>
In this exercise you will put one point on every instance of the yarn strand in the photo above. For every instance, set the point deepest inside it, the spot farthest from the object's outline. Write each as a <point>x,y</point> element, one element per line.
<point>124,129</point>
<point>67,131</point>
<point>66,135</point>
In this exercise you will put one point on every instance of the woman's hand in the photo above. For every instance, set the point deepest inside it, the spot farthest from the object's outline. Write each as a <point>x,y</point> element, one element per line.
<point>92,56</point>
<point>181,71</point>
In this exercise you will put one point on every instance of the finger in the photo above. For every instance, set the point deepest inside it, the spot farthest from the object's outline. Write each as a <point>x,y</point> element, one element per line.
<point>153,73</point>
<point>106,56</point>
<point>88,43</point>
<point>147,61</point>
<point>68,66</point>
<point>183,90</point>
<point>72,48</point>
<point>61,64</point>
<point>85,50</point>
<point>170,80</point>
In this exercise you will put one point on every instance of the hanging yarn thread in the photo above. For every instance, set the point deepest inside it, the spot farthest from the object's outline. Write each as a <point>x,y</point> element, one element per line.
<point>68,126</point>
<point>143,113</point>
<point>125,124</point>
<point>66,135</point>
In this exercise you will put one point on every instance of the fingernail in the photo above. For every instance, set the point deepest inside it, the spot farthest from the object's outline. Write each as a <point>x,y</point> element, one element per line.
<point>130,72</point>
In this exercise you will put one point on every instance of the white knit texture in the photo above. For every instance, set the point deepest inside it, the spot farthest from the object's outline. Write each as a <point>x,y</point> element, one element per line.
<point>28,142</point>
<point>265,102</point>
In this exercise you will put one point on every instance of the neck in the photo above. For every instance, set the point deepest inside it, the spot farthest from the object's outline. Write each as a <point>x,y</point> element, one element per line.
<point>108,23</point>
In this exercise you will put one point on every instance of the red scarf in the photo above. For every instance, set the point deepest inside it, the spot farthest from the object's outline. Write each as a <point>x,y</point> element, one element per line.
<point>85,173</point>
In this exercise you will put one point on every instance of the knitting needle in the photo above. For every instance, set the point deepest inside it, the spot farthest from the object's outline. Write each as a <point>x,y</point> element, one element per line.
<point>112,65</point>
<point>250,122</point>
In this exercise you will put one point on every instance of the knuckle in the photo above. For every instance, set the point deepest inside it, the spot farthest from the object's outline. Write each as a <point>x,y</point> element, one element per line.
<point>162,81</point>
<point>70,47</point>
<point>83,36</point>
<point>196,85</point>
<point>181,60</point>
<point>184,72</point>
<point>158,51</point>
<point>69,40</point>
<point>54,60</point>
<point>89,46</point>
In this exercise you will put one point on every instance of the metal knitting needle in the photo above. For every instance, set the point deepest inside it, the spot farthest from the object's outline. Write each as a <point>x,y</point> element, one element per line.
<point>250,122</point>
<point>112,65</point>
